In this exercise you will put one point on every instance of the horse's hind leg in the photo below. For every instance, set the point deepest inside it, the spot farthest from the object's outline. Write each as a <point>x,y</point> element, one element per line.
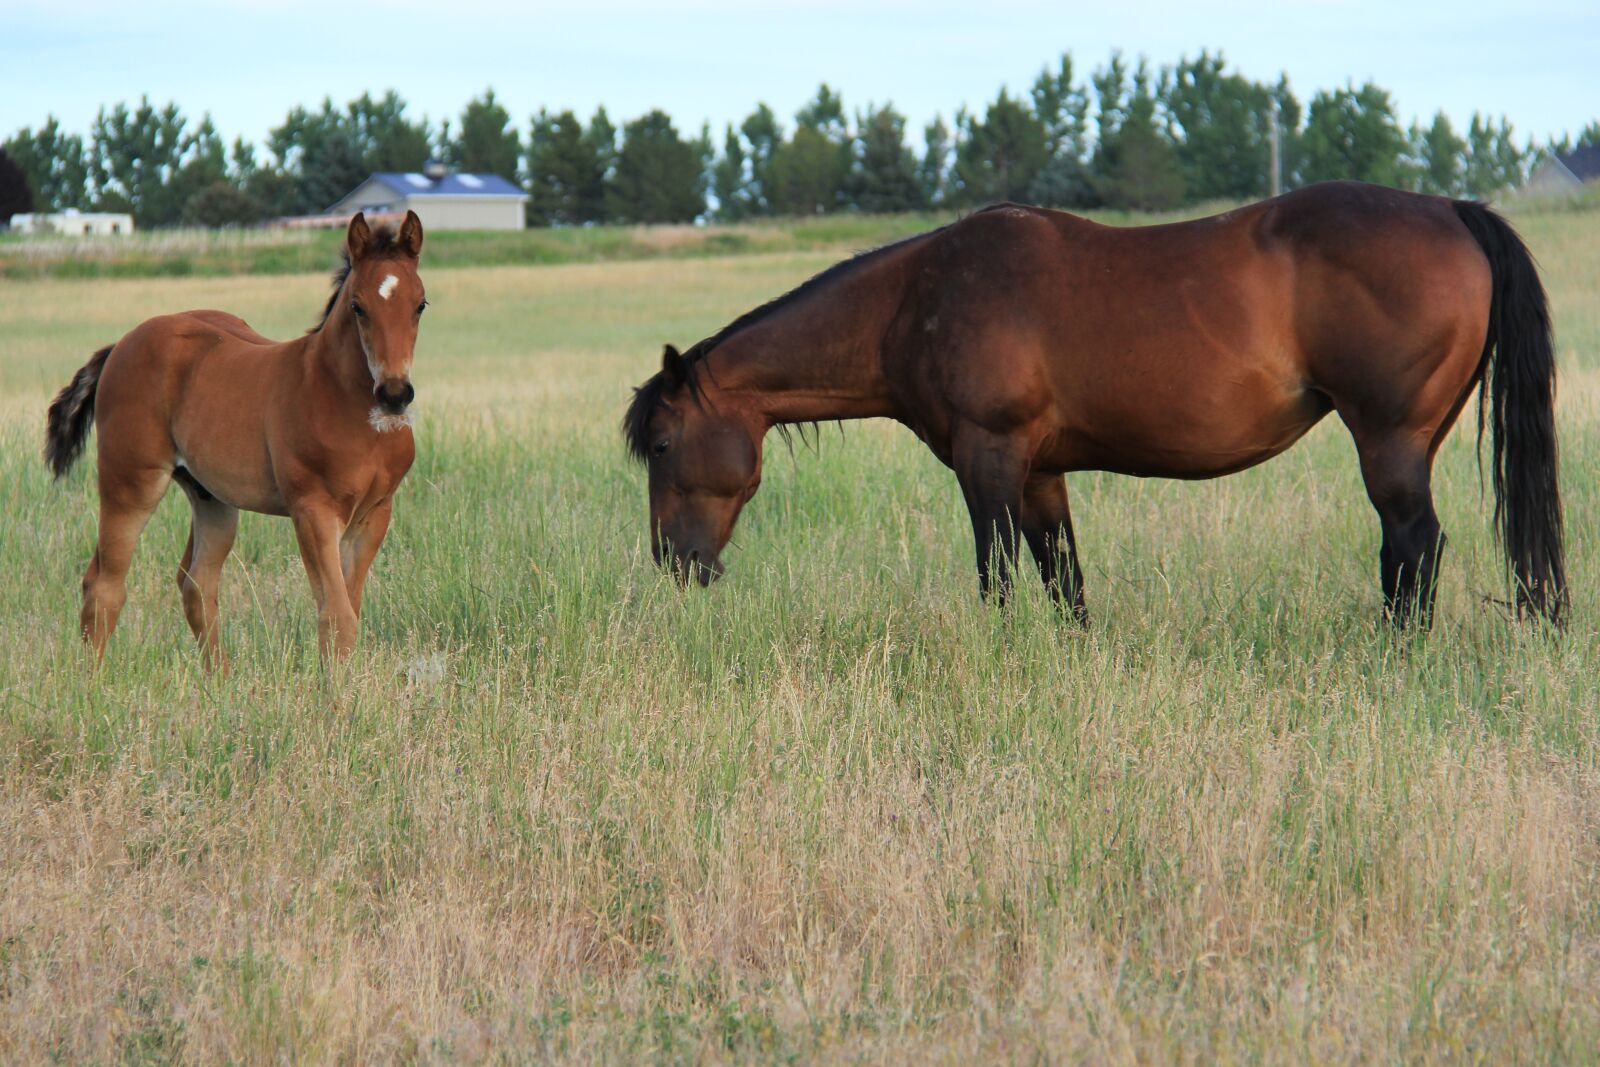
<point>210,540</point>
<point>1047,525</point>
<point>127,499</point>
<point>1398,474</point>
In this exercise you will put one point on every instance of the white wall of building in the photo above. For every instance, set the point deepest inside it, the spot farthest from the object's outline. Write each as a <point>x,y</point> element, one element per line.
<point>74,223</point>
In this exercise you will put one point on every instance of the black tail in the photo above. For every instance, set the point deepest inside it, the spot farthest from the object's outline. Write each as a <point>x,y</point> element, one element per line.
<point>1519,386</point>
<point>71,412</point>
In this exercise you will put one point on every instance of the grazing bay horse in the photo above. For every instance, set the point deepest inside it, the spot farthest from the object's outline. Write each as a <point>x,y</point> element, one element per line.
<point>316,428</point>
<point>1020,344</point>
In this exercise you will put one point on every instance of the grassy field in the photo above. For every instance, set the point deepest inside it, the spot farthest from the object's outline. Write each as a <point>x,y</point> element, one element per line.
<point>219,253</point>
<point>832,808</point>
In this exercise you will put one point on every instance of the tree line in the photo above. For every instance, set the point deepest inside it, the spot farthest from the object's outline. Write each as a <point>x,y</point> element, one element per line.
<point>1127,136</point>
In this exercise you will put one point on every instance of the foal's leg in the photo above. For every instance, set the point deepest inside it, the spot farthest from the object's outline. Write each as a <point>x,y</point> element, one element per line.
<point>1398,475</point>
<point>127,499</point>
<point>1047,525</point>
<point>210,540</point>
<point>992,469</point>
<point>359,548</point>
<point>316,526</point>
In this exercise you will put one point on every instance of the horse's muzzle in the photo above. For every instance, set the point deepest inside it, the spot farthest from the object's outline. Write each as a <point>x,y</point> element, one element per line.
<point>394,395</point>
<point>691,566</point>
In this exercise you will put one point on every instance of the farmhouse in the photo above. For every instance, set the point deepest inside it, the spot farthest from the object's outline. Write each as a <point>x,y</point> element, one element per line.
<point>73,223</point>
<point>443,201</point>
<point>1565,172</point>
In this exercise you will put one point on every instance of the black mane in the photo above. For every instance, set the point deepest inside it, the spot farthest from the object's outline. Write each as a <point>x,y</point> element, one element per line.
<point>385,240</point>
<point>647,397</point>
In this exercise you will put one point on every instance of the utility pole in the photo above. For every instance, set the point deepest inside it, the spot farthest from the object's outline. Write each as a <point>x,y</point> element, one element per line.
<point>1275,174</point>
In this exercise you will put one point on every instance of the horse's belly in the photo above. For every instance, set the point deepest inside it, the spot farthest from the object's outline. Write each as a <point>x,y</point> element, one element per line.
<point>1170,433</point>
<point>237,481</point>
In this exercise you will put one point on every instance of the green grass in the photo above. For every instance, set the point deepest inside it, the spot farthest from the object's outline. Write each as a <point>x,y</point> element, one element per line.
<point>832,808</point>
<point>203,253</point>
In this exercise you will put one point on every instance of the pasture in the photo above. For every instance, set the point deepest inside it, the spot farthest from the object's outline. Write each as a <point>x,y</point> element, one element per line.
<point>831,808</point>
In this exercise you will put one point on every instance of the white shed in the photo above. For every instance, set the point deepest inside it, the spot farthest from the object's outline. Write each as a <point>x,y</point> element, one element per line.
<point>73,223</point>
<point>443,201</point>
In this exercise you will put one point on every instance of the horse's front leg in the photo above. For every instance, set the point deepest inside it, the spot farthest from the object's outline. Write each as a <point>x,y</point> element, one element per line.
<point>1047,525</point>
<point>318,528</point>
<point>992,469</point>
<point>360,548</point>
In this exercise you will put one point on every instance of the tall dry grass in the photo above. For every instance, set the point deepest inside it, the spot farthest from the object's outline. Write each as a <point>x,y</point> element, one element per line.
<point>830,809</point>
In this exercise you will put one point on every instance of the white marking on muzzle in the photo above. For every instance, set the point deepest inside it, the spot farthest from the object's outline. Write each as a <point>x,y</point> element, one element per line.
<point>384,422</point>
<point>388,285</point>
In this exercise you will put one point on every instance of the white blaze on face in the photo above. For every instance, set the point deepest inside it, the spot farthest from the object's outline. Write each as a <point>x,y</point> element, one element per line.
<point>388,285</point>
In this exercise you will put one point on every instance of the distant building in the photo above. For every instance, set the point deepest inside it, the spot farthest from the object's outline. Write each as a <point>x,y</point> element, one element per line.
<point>443,201</point>
<point>73,223</point>
<point>1565,172</point>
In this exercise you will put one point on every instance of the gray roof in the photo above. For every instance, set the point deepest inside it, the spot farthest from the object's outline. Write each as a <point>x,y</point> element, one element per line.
<point>1584,163</point>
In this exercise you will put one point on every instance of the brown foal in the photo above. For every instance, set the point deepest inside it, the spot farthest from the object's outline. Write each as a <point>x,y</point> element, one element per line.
<point>1020,344</point>
<point>315,429</point>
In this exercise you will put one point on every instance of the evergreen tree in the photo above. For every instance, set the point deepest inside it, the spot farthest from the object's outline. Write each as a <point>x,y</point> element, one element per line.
<point>329,152</point>
<point>1494,162</point>
<point>486,142</point>
<point>205,163</point>
<point>319,155</point>
<point>730,179</point>
<point>1224,148</point>
<point>135,156</point>
<point>16,194</point>
<point>1353,133</point>
<point>1291,147</point>
<point>1135,165</point>
<point>565,180</point>
<point>999,157</point>
<point>763,136</point>
<point>385,138</point>
<point>1440,157</point>
<point>935,165</point>
<point>55,164</point>
<point>660,177</point>
<point>884,178</point>
<point>808,173</point>
<point>1063,108</point>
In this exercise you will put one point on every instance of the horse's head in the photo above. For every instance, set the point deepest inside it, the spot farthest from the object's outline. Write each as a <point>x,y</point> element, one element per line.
<point>386,298</point>
<point>704,461</point>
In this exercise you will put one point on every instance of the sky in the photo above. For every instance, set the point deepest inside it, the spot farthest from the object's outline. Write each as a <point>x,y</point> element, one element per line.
<point>248,63</point>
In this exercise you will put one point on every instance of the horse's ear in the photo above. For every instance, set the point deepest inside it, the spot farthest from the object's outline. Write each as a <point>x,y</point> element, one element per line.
<point>359,237</point>
<point>674,366</point>
<point>411,235</point>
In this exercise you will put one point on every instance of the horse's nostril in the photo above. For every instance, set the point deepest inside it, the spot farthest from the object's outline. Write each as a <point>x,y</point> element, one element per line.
<point>395,397</point>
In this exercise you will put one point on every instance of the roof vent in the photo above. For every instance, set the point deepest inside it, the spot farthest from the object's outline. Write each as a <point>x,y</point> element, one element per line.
<point>435,169</point>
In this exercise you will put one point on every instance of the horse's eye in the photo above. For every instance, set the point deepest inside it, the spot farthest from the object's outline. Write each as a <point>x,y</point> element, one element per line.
<point>360,311</point>
<point>659,447</point>
<point>422,307</point>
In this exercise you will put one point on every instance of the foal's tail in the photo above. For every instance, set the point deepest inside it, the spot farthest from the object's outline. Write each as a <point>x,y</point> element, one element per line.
<point>71,412</point>
<point>1518,374</point>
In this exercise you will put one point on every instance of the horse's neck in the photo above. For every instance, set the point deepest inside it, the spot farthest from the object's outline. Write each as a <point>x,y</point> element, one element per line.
<point>821,357</point>
<point>336,355</point>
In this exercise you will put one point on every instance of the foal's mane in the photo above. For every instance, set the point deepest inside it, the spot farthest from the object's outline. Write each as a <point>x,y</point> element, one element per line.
<point>649,396</point>
<point>385,241</point>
